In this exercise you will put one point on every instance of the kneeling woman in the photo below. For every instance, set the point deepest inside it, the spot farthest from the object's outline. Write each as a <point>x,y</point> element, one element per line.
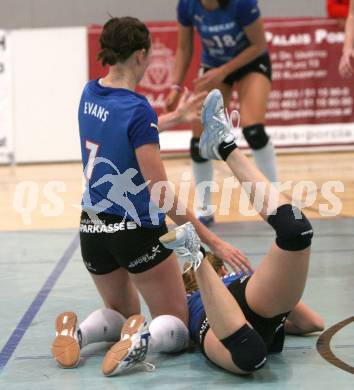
<point>122,217</point>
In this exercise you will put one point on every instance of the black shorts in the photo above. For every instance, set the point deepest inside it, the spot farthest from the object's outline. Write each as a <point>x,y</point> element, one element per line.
<point>270,329</point>
<point>120,243</point>
<point>261,64</point>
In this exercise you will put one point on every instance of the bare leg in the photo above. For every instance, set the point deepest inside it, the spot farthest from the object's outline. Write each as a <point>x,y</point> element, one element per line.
<point>223,312</point>
<point>303,320</point>
<point>163,289</point>
<point>225,318</point>
<point>118,292</point>
<point>224,315</point>
<point>232,343</point>
<point>253,91</point>
<point>279,281</point>
<point>246,172</point>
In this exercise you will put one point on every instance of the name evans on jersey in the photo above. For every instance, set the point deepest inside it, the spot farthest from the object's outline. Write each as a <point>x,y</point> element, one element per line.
<point>95,110</point>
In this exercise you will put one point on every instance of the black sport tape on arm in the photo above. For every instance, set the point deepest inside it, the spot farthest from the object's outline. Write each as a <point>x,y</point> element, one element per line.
<point>247,348</point>
<point>293,234</point>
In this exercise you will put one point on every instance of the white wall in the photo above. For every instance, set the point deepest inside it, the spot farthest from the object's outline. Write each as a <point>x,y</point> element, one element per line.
<point>59,13</point>
<point>49,70</point>
<point>293,8</point>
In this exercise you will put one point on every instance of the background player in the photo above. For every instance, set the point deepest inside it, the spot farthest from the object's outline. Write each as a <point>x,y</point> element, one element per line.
<point>119,133</point>
<point>242,322</point>
<point>234,53</point>
<point>346,61</point>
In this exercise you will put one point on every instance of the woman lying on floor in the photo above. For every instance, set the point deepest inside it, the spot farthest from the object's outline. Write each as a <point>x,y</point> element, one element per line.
<point>244,321</point>
<point>301,320</point>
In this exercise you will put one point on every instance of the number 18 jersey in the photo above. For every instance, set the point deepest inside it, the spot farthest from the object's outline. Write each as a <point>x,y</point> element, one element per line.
<point>221,30</point>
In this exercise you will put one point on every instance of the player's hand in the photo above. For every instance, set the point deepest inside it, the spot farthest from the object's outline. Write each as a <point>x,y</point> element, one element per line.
<point>190,106</point>
<point>211,79</point>
<point>345,64</point>
<point>172,100</point>
<point>235,258</point>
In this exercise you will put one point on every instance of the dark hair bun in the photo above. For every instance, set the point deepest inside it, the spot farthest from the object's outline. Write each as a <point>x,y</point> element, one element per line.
<point>120,38</point>
<point>109,57</point>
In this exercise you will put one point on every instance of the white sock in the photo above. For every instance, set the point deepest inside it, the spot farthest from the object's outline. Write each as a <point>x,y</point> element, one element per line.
<point>101,325</point>
<point>168,334</point>
<point>203,172</point>
<point>266,161</point>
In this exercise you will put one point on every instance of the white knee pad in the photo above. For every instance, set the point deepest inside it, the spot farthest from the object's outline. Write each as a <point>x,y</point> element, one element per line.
<point>168,334</point>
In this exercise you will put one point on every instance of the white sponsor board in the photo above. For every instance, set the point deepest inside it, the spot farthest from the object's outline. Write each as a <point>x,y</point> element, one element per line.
<point>296,138</point>
<point>46,92</point>
<point>6,128</point>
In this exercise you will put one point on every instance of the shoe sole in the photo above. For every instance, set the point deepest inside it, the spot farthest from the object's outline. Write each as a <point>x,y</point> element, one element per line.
<point>65,349</point>
<point>174,238</point>
<point>120,350</point>
<point>168,237</point>
<point>206,101</point>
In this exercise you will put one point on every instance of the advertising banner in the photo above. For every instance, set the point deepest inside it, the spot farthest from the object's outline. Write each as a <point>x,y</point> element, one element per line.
<point>310,105</point>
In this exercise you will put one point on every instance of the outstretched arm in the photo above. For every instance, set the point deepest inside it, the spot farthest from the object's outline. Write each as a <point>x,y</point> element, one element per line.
<point>303,320</point>
<point>183,59</point>
<point>152,169</point>
<point>187,111</point>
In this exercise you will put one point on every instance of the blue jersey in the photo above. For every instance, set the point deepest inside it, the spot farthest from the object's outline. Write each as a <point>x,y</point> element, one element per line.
<point>221,30</point>
<point>113,123</point>
<point>196,308</point>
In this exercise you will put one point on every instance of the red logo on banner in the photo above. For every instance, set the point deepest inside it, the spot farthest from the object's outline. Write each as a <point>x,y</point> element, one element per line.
<point>158,75</point>
<point>307,89</point>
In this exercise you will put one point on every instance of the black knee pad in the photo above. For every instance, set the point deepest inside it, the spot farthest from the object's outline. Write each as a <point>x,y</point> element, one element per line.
<point>194,149</point>
<point>256,136</point>
<point>293,229</point>
<point>247,348</point>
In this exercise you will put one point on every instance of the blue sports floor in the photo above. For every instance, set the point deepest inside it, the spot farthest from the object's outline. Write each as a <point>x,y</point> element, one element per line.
<point>41,274</point>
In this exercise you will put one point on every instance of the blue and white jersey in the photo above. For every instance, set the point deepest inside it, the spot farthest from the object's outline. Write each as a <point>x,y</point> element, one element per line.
<point>221,30</point>
<point>114,122</point>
